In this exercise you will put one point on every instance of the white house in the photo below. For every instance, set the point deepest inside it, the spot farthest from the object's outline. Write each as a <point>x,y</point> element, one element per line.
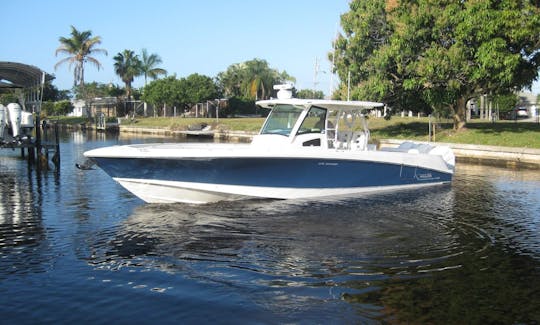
<point>79,108</point>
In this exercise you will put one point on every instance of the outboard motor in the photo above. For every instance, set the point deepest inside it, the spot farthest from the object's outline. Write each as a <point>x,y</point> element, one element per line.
<point>14,113</point>
<point>27,123</point>
<point>3,120</point>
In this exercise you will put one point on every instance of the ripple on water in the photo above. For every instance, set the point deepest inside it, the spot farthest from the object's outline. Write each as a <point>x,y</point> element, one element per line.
<point>404,256</point>
<point>287,242</point>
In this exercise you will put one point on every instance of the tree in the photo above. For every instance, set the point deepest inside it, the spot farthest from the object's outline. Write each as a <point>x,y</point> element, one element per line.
<point>79,47</point>
<point>252,79</point>
<point>149,68</point>
<point>258,78</point>
<point>95,89</point>
<point>183,92</point>
<point>127,66</point>
<point>310,94</point>
<point>438,54</point>
<point>63,107</point>
<point>162,92</point>
<point>198,88</point>
<point>51,92</point>
<point>149,63</point>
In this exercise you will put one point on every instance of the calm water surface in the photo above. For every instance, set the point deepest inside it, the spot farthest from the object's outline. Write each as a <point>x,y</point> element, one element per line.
<point>76,247</point>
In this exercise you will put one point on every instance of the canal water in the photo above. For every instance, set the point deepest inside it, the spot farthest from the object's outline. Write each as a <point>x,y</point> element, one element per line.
<point>75,247</point>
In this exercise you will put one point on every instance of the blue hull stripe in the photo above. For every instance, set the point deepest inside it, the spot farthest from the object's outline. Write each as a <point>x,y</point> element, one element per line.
<point>272,172</point>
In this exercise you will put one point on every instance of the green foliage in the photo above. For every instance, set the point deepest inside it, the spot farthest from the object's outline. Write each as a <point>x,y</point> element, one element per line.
<point>51,93</point>
<point>198,88</point>
<point>62,107</point>
<point>251,80</point>
<point>310,94</point>
<point>149,63</point>
<point>161,91</point>
<point>505,103</point>
<point>79,49</point>
<point>437,54</point>
<point>58,108</point>
<point>182,92</point>
<point>47,108</point>
<point>95,89</point>
<point>240,106</point>
<point>69,120</point>
<point>8,98</point>
<point>127,66</point>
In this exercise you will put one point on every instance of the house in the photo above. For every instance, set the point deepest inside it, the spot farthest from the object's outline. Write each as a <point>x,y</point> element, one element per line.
<point>79,108</point>
<point>529,101</point>
<point>92,107</point>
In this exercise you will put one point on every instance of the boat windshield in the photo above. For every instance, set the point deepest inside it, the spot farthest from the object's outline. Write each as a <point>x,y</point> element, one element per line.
<point>282,119</point>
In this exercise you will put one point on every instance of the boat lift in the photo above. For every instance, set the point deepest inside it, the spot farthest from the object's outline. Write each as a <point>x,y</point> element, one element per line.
<point>20,122</point>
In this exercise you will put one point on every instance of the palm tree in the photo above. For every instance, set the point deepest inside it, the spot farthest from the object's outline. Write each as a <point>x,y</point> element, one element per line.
<point>149,69</point>
<point>127,66</point>
<point>148,66</point>
<point>259,79</point>
<point>79,48</point>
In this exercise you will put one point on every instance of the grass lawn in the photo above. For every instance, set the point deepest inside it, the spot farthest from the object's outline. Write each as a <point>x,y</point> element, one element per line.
<point>181,123</point>
<point>501,133</point>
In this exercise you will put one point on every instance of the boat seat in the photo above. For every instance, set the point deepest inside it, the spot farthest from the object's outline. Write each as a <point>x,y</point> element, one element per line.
<point>360,141</point>
<point>342,141</point>
<point>412,147</point>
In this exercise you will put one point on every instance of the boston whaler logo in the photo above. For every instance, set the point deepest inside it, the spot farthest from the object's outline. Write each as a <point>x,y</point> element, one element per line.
<point>425,177</point>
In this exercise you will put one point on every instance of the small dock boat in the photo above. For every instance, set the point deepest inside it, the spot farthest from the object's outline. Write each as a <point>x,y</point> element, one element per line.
<point>305,149</point>
<point>15,114</point>
<point>3,121</point>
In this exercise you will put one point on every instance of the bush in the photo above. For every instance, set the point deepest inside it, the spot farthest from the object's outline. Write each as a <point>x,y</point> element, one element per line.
<point>240,106</point>
<point>47,108</point>
<point>63,107</point>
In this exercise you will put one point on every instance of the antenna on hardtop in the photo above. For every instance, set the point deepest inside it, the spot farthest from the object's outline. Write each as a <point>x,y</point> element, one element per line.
<point>284,91</point>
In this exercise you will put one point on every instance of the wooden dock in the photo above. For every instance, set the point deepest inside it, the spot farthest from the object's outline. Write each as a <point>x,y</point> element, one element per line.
<point>37,149</point>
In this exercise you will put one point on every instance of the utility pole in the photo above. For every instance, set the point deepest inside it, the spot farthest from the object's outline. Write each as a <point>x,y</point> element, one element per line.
<point>315,76</point>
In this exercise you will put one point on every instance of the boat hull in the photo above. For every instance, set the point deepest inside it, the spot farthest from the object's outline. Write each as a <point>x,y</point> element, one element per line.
<point>152,191</point>
<point>210,179</point>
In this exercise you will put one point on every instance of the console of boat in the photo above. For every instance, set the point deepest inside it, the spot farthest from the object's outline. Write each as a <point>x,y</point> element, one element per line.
<point>305,149</point>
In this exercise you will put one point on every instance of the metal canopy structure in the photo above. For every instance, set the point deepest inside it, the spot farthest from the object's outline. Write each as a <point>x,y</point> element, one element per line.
<point>19,75</point>
<point>26,81</point>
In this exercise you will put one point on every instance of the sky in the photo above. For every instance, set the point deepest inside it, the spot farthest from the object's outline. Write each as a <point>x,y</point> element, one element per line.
<point>190,36</point>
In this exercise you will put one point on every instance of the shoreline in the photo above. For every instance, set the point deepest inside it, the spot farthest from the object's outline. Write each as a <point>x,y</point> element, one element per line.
<point>508,157</point>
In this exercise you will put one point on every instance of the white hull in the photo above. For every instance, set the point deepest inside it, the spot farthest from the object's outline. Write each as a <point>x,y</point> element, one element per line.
<point>153,191</point>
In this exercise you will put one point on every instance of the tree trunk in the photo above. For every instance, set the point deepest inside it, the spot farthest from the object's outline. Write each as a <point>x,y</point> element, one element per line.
<point>460,113</point>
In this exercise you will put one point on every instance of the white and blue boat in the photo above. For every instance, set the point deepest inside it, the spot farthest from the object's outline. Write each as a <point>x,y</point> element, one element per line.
<point>305,149</point>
